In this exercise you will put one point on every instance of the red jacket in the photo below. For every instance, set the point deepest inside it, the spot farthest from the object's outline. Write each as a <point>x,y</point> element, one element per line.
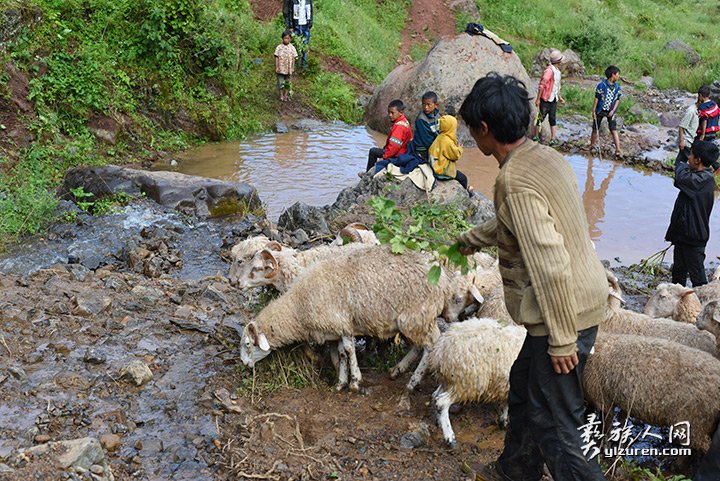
<point>400,135</point>
<point>547,82</point>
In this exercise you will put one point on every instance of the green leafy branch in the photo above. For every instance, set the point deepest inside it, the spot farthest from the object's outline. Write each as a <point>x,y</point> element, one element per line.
<point>424,227</point>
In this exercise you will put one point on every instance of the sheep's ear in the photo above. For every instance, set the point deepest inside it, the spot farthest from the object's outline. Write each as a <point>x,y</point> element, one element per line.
<point>270,263</point>
<point>476,294</point>
<point>349,235</point>
<point>274,246</point>
<point>263,343</point>
<point>687,291</point>
<point>359,226</point>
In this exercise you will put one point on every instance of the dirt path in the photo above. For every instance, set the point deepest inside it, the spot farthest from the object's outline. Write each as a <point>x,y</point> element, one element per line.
<point>428,21</point>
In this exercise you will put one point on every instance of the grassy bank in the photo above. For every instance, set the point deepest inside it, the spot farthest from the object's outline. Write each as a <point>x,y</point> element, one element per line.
<point>151,65</point>
<point>628,33</point>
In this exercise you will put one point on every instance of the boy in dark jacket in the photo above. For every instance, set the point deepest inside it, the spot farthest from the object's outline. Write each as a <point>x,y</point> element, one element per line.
<point>689,228</point>
<point>426,124</point>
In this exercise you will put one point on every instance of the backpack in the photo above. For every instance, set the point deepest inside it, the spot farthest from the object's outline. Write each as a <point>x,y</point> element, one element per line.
<point>474,29</point>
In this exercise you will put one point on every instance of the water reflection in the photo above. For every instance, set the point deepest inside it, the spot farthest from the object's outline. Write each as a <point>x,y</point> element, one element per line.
<point>628,210</point>
<point>594,199</point>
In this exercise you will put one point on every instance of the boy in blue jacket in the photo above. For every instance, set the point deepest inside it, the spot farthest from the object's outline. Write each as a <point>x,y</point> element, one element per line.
<point>426,124</point>
<point>689,228</point>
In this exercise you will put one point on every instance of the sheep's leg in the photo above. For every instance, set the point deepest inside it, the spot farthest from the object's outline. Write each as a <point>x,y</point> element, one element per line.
<point>342,367</point>
<point>348,343</point>
<point>502,410</point>
<point>335,355</point>
<point>443,401</point>
<point>419,372</point>
<point>405,362</point>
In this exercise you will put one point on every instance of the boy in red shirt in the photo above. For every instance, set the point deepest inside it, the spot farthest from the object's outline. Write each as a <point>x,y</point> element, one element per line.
<point>397,140</point>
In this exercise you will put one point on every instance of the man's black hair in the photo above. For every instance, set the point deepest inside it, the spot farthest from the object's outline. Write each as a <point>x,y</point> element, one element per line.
<point>502,102</point>
<point>706,151</point>
<point>430,95</point>
<point>704,91</point>
<point>611,70</point>
<point>397,104</point>
<point>286,33</point>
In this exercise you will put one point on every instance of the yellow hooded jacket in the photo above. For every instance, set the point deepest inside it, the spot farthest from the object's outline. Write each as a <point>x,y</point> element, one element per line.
<point>445,151</point>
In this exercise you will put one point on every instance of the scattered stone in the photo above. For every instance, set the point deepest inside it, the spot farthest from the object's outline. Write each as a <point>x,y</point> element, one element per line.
<point>411,441</point>
<point>97,469</point>
<point>110,441</point>
<point>147,294</point>
<point>79,272</point>
<point>93,356</point>
<point>468,7</point>
<point>137,371</point>
<point>230,405</point>
<point>42,438</point>
<point>300,237</point>
<point>87,306</point>
<point>281,128</point>
<point>214,294</point>
<point>4,468</point>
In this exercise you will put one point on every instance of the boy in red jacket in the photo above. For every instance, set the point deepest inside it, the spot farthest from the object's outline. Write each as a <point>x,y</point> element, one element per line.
<point>397,140</point>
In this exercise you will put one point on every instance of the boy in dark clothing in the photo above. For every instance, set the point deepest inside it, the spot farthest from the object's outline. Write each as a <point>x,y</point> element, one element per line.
<point>426,124</point>
<point>397,140</point>
<point>689,228</point>
<point>709,113</point>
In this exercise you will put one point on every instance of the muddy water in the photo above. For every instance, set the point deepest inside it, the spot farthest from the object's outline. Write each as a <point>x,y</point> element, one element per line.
<point>628,209</point>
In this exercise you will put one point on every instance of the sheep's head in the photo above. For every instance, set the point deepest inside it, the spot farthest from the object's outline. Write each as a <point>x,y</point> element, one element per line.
<point>259,270</point>
<point>709,319</point>
<point>615,299</point>
<point>355,232</point>
<point>254,346</point>
<point>463,293</point>
<point>247,248</point>
<point>665,300</point>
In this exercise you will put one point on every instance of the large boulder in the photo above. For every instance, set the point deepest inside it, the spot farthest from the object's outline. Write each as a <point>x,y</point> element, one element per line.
<point>691,56</point>
<point>450,69</point>
<point>715,91</point>
<point>189,194</point>
<point>571,65</point>
<point>467,7</point>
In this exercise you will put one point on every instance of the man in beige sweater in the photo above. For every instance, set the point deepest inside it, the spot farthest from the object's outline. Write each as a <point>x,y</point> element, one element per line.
<point>553,282</point>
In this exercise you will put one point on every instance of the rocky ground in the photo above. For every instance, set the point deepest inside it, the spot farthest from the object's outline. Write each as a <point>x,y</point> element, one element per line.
<point>118,334</point>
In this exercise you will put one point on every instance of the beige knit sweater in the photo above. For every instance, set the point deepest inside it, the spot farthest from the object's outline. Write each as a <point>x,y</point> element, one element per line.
<point>553,281</point>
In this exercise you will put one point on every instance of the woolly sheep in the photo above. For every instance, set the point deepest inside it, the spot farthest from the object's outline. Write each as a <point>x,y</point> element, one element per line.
<point>708,292</point>
<point>640,375</point>
<point>624,321</point>
<point>371,292</point>
<point>494,305</point>
<point>674,301</point>
<point>472,362</point>
<point>709,320</point>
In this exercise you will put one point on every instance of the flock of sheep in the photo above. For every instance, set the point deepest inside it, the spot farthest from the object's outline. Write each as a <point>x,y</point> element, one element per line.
<point>662,366</point>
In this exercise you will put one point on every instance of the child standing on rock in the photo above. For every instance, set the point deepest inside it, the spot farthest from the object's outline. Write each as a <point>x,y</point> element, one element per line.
<point>548,96</point>
<point>285,56</point>
<point>607,99</point>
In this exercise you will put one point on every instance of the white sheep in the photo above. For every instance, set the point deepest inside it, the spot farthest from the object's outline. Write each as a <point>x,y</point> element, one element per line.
<point>674,301</point>
<point>472,361</point>
<point>709,320</point>
<point>657,381</point>
<point>494,305</point>
<point>624,321</point>
<point>370,292</point>
<point>708,292</point>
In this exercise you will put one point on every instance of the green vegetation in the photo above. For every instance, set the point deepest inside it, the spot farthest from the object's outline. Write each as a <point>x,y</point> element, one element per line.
<point>628,33</point>
<point>150,63</point>
<point>425,226</point>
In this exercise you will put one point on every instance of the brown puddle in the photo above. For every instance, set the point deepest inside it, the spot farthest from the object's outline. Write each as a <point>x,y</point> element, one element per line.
<point>628,209</point>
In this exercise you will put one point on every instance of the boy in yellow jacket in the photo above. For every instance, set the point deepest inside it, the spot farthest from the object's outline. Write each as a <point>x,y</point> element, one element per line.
<point>444,152</point>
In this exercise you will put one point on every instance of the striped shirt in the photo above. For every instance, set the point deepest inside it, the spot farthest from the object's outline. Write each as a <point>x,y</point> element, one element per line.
<point>710,112</point>
<point>553,281</point>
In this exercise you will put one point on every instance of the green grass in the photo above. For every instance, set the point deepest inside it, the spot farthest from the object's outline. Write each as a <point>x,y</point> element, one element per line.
<point>629,33</point>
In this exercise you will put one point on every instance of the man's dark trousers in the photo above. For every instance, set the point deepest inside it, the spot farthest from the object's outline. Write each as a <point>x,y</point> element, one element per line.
<point>374,154</point>
<point>689,259</point>
<point>545,410</point>
<point>709,469</point>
